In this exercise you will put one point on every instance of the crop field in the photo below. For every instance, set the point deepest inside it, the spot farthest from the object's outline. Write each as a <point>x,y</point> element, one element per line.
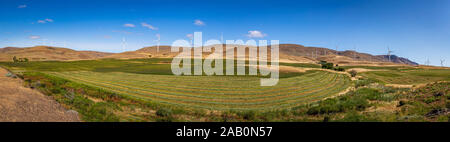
<point>146,90</point>
<point>215,92</point>
<point>416,76</point>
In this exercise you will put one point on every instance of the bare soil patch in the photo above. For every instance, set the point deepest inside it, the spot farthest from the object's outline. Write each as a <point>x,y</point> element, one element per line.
<point>21,104</point>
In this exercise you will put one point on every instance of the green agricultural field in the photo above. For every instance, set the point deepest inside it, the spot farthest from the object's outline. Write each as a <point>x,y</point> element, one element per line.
<point>215,92</point>
<point>146,90</point>
<point>151,80</point>
<point>408,77</point>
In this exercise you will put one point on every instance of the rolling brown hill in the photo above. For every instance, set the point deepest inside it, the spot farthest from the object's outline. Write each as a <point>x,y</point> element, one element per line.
<point>288,53</point>
<point>46,53</point>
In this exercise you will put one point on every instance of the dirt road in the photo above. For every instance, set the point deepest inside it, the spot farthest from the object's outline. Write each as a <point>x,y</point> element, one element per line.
<point>21,104</point>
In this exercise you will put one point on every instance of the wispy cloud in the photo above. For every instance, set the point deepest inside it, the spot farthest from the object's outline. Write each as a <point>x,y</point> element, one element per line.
<point>45,21</point>
<point>42,21</point>
<point>49,20</point>
<point>199,23</point>
<point>34,37</point>
<point>22,6</point>
<point>189,36</point>
<point>256,34</point>
<point>148,26</point>
<point>129,25</point>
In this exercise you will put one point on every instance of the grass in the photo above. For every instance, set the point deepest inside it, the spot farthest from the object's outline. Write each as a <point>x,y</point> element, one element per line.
<point>303,65</point>
<point>146,90</point>
<point>416,76</point>
<point>380,67</point>
<point>215,92</point>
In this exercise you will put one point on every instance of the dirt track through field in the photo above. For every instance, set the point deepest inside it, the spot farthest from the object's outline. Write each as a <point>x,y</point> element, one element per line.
<point>21,104</point>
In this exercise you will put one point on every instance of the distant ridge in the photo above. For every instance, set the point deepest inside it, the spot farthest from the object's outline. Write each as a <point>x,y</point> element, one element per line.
<point>47,53</point>
<point>288,53</point>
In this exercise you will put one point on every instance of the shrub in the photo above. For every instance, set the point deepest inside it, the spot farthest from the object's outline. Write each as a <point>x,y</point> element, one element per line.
<point>164,112</point>
<point>248,115</point>
<point>339,69</point>
<point>327,66</point>
<point>353,73</point>
<point>340,104</point>
<point>430,100</point>
<point>354,117</point>
<point>364,82</point>
<point>401,103</point>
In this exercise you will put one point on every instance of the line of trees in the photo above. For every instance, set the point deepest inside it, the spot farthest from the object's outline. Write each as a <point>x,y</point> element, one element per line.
<point>20,59</point>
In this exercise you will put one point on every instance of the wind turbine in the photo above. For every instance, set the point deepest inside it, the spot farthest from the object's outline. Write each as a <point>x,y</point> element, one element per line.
<point>337,52</point>
<point>124,43</point>
<point>427,62</point>
<point>221,38</point>
<point>442,62</point>
<point>158,36</point>
<point>389,53</point>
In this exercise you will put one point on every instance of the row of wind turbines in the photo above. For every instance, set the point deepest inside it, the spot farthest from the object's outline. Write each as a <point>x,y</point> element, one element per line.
<point>389,51</point>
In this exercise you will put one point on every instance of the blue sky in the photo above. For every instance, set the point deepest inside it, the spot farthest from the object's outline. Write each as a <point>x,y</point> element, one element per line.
<point>416,29</point>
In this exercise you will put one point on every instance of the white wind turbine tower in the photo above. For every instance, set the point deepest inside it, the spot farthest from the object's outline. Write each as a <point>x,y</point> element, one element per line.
<point>158,36</point>
<point>442,62</point>
<point>389,53</point>
<point>124,43</point>
<point>427,62</point>
<point>221,38</point>
<point>190,36</point>
<point>337,50</point>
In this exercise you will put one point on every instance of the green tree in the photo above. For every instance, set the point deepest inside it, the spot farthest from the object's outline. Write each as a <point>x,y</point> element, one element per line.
<point>15,59</point>
<point>353,73</point>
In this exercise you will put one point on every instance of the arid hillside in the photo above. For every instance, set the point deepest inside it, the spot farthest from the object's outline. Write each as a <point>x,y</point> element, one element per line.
<point>291,53</point>
<point>46,53</point>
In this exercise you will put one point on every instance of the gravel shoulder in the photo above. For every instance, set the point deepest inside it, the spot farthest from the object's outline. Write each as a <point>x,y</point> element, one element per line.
<point>21,104</point>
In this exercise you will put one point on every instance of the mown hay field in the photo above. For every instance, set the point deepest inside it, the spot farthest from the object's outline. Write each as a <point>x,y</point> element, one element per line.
<point>215,92</point>
<point>416,76</point>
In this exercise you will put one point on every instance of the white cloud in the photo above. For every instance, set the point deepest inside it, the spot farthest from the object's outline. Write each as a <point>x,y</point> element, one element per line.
<point>129,25</point>
<point>42,21</point>
<point>45,21</point>
<point>49,20</point>
<point>190,36</point>
<point>256,34</point>
<point>148,26</point>
<point>22,6</point>
<point>199,23</point>
<point>34,37</point>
